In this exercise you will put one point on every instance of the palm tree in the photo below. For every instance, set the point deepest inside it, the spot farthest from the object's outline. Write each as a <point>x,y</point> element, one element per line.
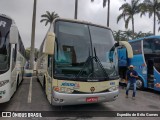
<point>140,34</point>
<point>129,34</point>
<point>148,33</point>
<point>28,52</point>
<point>129,10</point>
<point>49,17</point>
<point>118,35</point>
<point>152,7</point>
<point>108,13</point>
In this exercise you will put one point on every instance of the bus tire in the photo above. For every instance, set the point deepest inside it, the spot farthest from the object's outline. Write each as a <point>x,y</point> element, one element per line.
<point>44,85</point>
<point>139,84</point>
<point>17,83</point>
<point>37,78</point>
<point>23,74</point>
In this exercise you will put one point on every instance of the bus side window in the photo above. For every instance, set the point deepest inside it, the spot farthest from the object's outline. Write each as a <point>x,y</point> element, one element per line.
<point>14,55</point>
<point>50,65</point>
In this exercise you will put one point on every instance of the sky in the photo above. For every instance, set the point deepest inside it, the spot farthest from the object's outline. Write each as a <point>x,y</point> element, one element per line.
<point>21,11</point>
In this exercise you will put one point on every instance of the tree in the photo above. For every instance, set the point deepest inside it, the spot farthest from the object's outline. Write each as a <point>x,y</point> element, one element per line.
<point>152,7</point>
<point>108,13</point>
<point>119,35</point>
<point>49,17</point>
<point>140,34</point>
<point>28,50</point>
<point>129,35</point>
<point>129,10</point>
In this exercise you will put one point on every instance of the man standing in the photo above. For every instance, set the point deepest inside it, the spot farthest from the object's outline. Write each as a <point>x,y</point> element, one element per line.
<point>131,76</point>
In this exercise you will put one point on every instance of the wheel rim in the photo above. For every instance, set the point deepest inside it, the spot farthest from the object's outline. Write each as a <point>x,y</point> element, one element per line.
<point>139,83</point>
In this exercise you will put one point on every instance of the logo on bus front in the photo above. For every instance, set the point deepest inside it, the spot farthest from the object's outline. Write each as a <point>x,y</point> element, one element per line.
<point>74,85</point>
<point>92,89</point>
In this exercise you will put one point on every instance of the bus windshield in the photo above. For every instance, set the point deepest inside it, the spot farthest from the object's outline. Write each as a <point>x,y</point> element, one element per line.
<point>151,46</point>
<point>82,50</point>
<point>4,43</point>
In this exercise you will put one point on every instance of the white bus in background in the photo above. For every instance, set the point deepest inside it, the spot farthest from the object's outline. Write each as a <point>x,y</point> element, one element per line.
<point>77,63</point>
<point>12,58</point>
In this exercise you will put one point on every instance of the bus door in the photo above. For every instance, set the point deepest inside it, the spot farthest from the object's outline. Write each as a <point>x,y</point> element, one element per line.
<point>122,63</point>
<point>150,75</point>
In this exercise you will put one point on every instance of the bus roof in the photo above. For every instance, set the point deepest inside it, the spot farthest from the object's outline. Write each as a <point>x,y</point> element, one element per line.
<point>153,36</point>
<point>80,21</point>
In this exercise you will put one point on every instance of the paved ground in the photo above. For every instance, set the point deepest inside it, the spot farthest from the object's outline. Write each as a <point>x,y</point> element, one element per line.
<point>145,101</point>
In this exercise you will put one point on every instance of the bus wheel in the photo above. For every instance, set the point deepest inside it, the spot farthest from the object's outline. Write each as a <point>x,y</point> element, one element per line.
<point>37,78</point>
<point>17,82</point>
<point>139,84</point>
<point>44,85</point>
<point>23,74</point>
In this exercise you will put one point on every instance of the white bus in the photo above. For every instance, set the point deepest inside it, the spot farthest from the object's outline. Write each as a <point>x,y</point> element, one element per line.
<point>12,58</point>
<point>77,63</point>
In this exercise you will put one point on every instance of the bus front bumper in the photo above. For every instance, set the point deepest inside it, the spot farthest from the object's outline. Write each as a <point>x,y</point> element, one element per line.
<point>60,99</point>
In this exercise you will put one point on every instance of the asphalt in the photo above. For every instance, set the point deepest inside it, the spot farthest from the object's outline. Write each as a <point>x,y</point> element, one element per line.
<point>147,100</point>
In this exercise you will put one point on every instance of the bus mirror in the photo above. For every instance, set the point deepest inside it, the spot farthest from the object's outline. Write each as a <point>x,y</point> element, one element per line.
<point>49,43</point>
<point>116,44</point>
<point>128,47</point>
<point>13,34</point>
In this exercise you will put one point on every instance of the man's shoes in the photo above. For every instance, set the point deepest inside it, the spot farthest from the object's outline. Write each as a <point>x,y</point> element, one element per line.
<point>133,98</point>
<point>126,96</point>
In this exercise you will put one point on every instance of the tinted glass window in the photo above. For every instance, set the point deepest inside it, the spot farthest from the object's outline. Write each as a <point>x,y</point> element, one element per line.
<point>83,50</point>
<point>151,46</point>
<point>4,43</point>
<point>103,42</point>
<point>73,47</point>
<point>136,46</point>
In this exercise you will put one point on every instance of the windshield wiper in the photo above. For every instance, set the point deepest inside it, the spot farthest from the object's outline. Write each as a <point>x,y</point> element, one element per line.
<point>90,59</point>
<point>98,61</point>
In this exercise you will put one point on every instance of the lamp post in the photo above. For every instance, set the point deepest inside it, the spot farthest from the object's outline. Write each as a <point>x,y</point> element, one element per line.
<point>33,36</point>
<point>108,13</point>
<point>76,9</point>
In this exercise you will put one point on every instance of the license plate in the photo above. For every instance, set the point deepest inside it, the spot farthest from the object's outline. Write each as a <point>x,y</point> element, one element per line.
<point>92,99</point>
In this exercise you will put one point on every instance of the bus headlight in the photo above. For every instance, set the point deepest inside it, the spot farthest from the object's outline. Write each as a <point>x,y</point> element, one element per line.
<point>56,89</point>
<point>68,90</point>
<point>114,88</point>
<point>2,83</point>
<point>63,90</point>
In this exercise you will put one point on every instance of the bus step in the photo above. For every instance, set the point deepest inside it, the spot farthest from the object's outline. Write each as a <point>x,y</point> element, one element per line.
<point>151,80</point>
<point>150,75</point>
<point>151,85</point>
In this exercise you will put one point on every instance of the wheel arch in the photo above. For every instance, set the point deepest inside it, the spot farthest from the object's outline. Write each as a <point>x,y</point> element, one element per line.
<point>143,80</point>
